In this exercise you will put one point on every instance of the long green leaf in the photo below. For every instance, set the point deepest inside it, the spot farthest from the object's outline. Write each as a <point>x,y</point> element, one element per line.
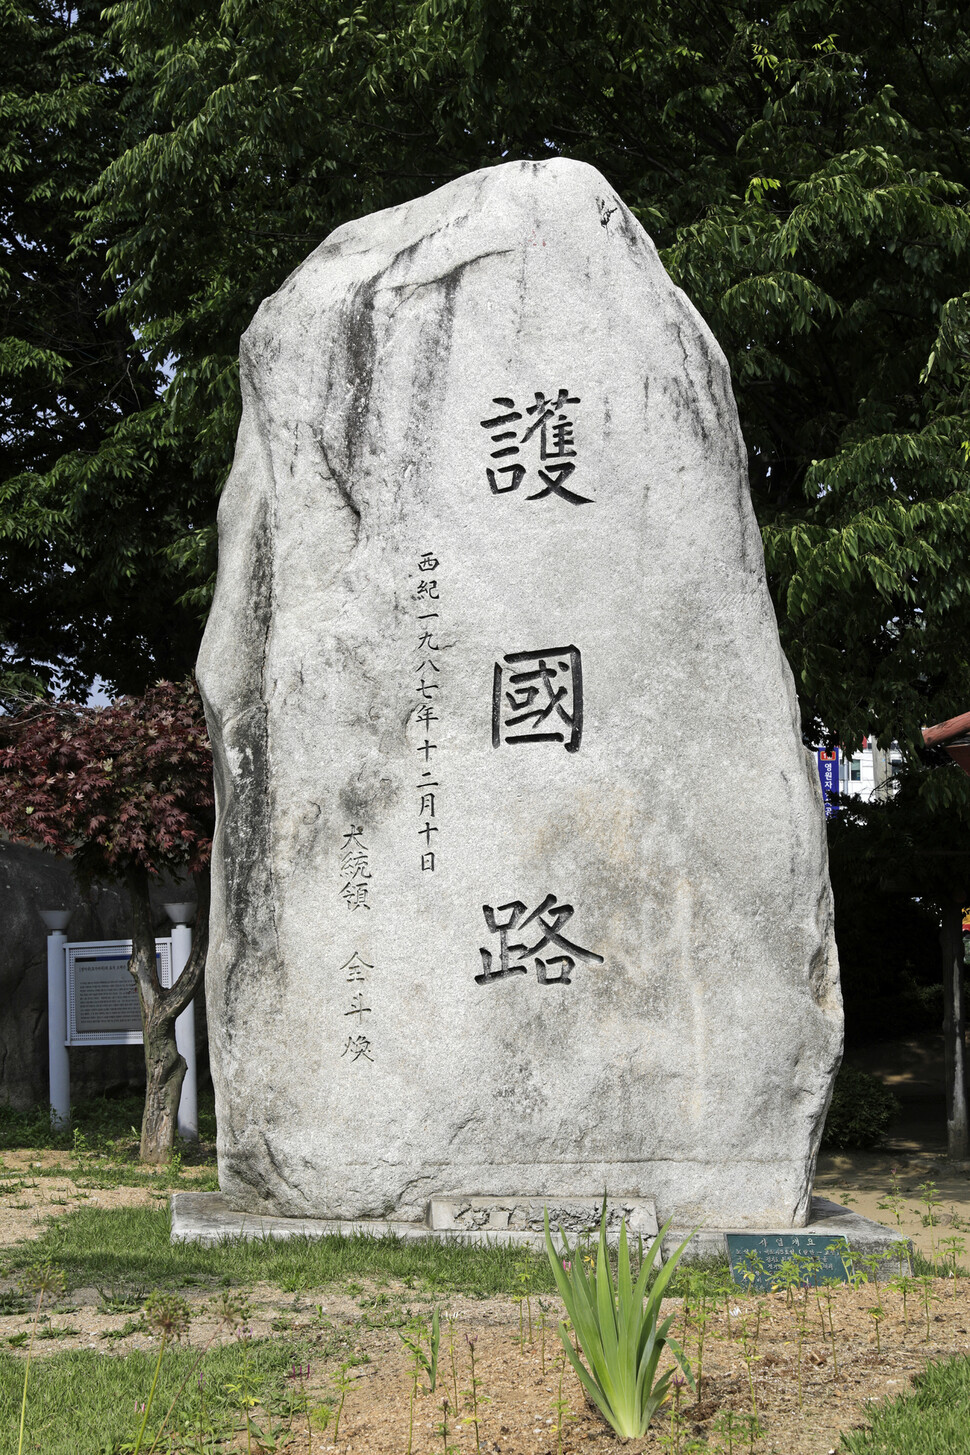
<point>617,1326</point>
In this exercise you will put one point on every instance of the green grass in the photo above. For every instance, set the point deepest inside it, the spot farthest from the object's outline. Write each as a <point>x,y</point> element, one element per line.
<point>934,1420</point>
<point>125,1247</point>
<point>102,1123</point>
<point>128,1247</point>
<point>81,1402</point>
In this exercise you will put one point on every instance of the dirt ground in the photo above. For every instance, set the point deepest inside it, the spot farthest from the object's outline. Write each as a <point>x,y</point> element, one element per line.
<point>755,1351</point>
<point>809,1369</point>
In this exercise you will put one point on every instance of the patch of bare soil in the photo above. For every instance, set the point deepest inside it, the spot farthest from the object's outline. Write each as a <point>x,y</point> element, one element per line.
<point>804,1387</point>
<point>40,1185</point>
<point>886,1186</point>
<point>807,1370</point>
<point>806,1378</point>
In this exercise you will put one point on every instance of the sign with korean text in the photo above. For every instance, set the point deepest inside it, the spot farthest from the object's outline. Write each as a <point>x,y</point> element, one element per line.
<point>777,1260</point>
<point>828,772</point>
<point>102,998</point>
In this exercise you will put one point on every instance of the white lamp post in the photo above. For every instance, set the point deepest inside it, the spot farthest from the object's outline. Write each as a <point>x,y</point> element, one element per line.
<point>56,921</point>
<point>182,914</point>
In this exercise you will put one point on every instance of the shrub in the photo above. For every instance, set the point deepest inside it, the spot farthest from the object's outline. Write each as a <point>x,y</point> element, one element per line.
<point>862,1108</point>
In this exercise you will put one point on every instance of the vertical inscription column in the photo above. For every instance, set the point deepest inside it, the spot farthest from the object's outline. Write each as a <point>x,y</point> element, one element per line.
<point>355,893</point>
<point>537,695</point>
<point>429,649</point>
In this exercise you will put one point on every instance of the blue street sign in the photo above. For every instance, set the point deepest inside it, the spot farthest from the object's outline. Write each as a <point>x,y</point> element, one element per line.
<point>828,772</point>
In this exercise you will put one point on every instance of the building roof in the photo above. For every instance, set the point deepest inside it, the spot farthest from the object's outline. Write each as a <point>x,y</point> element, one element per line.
<point>954,736</point>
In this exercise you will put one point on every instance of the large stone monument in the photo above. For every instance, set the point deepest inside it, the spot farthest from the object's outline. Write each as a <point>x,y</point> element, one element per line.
<point>520,875</point>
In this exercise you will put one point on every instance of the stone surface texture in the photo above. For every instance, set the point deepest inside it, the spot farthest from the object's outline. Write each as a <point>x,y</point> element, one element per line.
<point>574,1215</point>
<point>669,861</point>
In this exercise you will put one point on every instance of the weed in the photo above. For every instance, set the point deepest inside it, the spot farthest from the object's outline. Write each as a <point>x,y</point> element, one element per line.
<point>112,1302</point>
<point>442,1429</point>
<point>544,1309</point>
<point>414,1389</point>
<point>524,1296</point>
<point>877,1313</point>
<point>343,1384</point>
<point>926,1283</point>
<point>729,1424</point>
<point>419,1335</point>
<point>471,1340</point>
<point>932,1418</point>
<point>129,1327</point>
<point>930,1198</point>
<point>42,1280</point>
<point>893,1201</point>
<point>131,1247</point>
<point>560,1407</point>
<point>168,1316</point>
<point>450,1319</point>
<point>953,1249</point>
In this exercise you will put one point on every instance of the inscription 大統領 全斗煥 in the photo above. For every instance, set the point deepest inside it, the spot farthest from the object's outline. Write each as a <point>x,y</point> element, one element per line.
<point>355,869</point>
<point>357,1044</point>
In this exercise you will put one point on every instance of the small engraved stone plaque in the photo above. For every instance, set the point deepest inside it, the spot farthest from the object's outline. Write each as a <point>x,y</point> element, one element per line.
<point>757,1258</point>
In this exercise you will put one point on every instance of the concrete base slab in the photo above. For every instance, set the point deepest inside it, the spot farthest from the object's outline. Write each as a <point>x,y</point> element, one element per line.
<point>206,1217</point>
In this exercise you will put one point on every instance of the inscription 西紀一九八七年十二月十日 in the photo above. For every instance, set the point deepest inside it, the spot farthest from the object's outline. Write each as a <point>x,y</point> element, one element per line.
<point>429,649</point>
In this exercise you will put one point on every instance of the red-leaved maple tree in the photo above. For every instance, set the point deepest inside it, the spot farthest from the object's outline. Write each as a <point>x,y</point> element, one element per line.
<point>126,793</point>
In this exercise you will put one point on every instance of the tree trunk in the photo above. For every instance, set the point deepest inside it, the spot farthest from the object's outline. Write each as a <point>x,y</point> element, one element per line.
<point>164,1066</point>
<point>954,1041</point>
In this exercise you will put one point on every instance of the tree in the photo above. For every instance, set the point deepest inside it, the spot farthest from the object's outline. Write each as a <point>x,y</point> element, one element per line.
<point>916,844</point>
<point>92,491</point>
<point>126,792</point>
<point>805,169</point>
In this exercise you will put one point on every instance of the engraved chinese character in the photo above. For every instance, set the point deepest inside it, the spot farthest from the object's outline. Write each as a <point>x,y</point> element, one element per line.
<point>355,967</point>
<point>357,1046</point>
<point>355,866</point>
<point>427,563</point>
<point>555,430</point>
<point>548,920</point>
<point>354,896</point>
<point>537,697</point>
<point>357,1006</point>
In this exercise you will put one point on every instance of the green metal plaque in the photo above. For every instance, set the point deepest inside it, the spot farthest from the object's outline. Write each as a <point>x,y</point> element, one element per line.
<point>766,1260</point>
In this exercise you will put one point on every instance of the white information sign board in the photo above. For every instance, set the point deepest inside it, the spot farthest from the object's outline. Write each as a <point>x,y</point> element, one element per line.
<point>102,998</point>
